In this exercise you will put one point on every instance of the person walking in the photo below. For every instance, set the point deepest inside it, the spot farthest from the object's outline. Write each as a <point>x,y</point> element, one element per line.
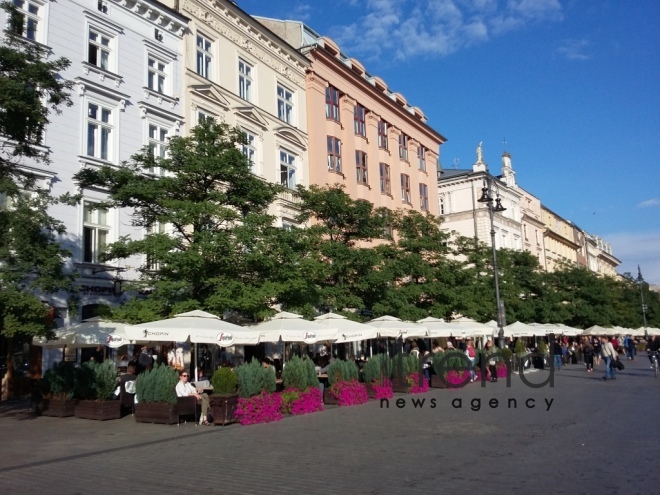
<point>588,353</point>
<point>609,356</point>
<point>558,353</point>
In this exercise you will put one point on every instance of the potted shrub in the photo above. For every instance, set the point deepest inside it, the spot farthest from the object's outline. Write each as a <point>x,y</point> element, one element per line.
<point>520,352</point>
<point>376,374</point>
<point>454,369</point>
<point>257,402</point>
<point>408,377</point>
<point>224,400</point>
<point>156,397</point>
<point>97,388</point>
<point>58,388</point>
<point>539,362</point>
<point>345,389</point>
<point>301,393</point>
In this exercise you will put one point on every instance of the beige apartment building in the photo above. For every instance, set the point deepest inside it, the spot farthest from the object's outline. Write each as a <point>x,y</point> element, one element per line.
<point>238,71</point>
<point>361,134</point>
<point>560,243</point>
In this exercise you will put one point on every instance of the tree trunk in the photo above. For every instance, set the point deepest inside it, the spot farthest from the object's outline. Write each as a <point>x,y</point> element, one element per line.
<point>7,380</point>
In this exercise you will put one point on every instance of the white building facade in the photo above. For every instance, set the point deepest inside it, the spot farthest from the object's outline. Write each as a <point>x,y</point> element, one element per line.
<point>459,192</point>
<point>126,65</point>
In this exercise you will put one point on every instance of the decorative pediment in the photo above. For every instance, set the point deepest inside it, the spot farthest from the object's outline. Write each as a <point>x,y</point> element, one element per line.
<point>253,115</point>
<point>210,93</point>
<point>293,136</point>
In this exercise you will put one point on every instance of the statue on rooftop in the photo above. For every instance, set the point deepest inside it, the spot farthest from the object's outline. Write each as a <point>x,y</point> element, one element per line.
<point>480,157</point>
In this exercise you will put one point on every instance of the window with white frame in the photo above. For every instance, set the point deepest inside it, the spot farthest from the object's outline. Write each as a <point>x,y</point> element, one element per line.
<point>334,154</point>
<point>403,147</point>
<point>96,232</point>
<point>28,19</point>
<point>157,145</point>
<point>382,134</point>
<point>332,103</point>
<point>204,56</point>
<point>284,104</point>
<point>99,51</point>
<point>156,74</point>
<point>385,183</point>
<point>421,158</point>
<point>250,150</point>
<point>245,80</point>
<point>202,115</point>
<point>442,204</point>
<point>359,120</point>
<point>361,170</point>
<point>405,188</point>
<point>423,197</point>
<point>155,228</point>
<point>287,169</point>
<point>99,131</point>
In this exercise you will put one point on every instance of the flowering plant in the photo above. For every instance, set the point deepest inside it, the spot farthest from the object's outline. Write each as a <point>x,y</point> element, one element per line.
<point>350,393</point>
<point>501,370</point>
<point>413,380</point>
<point>383,389</point>
<point>458,377</point>
<point>296,402</point>
<point>262,408</point>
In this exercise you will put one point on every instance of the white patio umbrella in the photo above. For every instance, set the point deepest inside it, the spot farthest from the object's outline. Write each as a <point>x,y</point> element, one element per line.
<point>90,333</point>
<point>291,327</point>
<point>347,330</point>
<point>598,330</point>
<point>436,327</point>
<point>467,327</point>
<point>653,331</point>
<point>520,329</point>
<point>389,326</point>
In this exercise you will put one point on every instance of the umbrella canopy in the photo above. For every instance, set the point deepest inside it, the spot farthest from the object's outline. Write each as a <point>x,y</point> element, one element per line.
<point>598,330</point>
<point>389,326</point>
<point>291,327</point>
<point>520,329</point>
<point>90,333</point>
<point>198,326</point>
<point>467,327</point>
<point>347,330</point>
<point>436,327</point>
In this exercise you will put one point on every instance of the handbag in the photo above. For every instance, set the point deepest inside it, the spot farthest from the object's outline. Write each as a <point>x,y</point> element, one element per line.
<point>618,365</point>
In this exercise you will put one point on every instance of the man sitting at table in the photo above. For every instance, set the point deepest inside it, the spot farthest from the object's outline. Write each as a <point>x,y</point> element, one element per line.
<point>185,389</point>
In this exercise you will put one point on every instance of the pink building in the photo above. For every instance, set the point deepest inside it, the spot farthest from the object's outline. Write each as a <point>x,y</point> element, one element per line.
<point>362,135</point>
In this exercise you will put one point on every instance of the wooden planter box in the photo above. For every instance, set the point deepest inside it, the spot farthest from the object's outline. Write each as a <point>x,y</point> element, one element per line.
<point>329,399</point>
<point>223,408</point>
<point>436,382</point>
<point>400,386</point>
<point>165,414</point>
<point>370,390</point>
<point>100,410</point>
<point>59,408</point>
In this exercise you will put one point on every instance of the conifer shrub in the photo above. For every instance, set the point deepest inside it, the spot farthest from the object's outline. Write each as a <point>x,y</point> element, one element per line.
<point>519,347</point>
<point>224,381</point>
<point>299,373</point>
<point>453,360</point>
<point>253,378</point>
<point>371,370</point>
<point>157,385</point>
<point>97,381</point>
<point>543,347</point>
<point>60,382</point>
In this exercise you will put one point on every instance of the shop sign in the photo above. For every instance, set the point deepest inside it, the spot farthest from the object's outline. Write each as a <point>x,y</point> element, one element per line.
<point>225,339</point>
<point>115,341</point>
<point>310,337</point>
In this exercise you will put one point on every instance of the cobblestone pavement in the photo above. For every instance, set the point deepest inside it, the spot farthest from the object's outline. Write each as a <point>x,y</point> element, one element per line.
<point>581,436</point>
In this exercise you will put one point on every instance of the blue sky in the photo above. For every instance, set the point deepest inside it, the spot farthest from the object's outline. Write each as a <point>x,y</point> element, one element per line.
<point>572,85</point>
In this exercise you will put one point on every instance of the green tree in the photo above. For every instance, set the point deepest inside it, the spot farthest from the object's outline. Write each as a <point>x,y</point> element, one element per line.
<point>30,90</point>
<point>212,244</point>
<point>31,259</point>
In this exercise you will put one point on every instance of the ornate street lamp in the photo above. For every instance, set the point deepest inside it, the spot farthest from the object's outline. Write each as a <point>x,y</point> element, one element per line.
<point>640,280</point>
<point>487,199</point>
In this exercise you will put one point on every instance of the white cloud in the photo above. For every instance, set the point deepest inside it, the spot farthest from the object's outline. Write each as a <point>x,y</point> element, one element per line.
<point>402,29</point>
<point>649,202</point>
<point>574,49</point>
<point>637,248</point>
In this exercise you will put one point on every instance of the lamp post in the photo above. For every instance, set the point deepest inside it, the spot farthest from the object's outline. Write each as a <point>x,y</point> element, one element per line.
<point>487,199</point>
<point>640,280</point>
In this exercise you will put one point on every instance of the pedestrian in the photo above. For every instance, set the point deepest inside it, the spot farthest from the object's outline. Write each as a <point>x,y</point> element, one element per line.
<point>596,345</point>
<point>630,347</point>
<point>588,353</point>
<point>557,354</point>
<point>472,356</point>
<point>492,360</point>
<point>609,356</point>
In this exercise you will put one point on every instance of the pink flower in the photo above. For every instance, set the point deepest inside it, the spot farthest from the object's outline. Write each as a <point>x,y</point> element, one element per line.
<point>415,388</point>
<point>383,390</point>
<point>350,393</point>
<point>309,401</point>
<point>455,377</point>
<point>262,408</point>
